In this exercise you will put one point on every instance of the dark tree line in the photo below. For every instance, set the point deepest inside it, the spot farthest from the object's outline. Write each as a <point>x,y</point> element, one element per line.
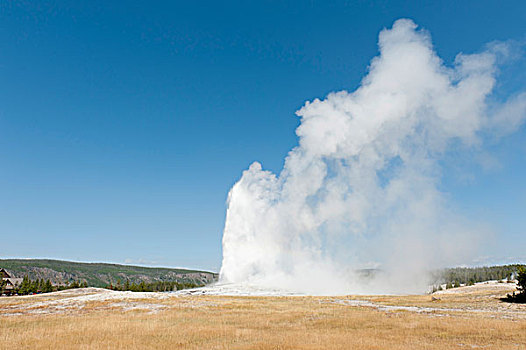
<point>471,275</point>
<point>34,286</point>
<point>159,286</point>
<point>455,277</point>
<point>73,285</point>
<point>28,286</point>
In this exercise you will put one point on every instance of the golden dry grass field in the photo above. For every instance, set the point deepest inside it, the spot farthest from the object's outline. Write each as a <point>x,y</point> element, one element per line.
<point>462,318</point>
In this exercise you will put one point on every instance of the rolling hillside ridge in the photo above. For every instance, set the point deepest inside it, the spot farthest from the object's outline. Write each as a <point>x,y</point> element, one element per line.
<point>101,274</point>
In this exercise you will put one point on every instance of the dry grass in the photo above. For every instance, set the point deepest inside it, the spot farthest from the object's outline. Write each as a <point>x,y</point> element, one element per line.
<point>215,322</point>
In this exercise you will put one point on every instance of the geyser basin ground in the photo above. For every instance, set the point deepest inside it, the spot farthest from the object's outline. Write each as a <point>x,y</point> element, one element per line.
<point>238,289</point>
<point>467,317</point>
<point>247,289</point>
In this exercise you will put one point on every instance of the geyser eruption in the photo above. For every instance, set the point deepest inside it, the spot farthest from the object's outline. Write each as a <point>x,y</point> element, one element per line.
<point>361,188</point>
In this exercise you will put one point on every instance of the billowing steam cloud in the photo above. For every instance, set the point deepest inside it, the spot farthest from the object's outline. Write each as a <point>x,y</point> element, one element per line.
<point>362,186</point>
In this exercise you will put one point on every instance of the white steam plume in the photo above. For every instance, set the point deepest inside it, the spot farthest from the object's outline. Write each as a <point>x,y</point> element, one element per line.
<point>361,187</point>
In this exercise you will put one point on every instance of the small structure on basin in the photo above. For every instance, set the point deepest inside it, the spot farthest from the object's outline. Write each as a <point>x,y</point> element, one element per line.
<point>10,283</point>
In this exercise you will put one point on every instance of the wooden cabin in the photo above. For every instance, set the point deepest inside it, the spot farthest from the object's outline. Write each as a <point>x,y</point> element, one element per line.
<point>11,283</point>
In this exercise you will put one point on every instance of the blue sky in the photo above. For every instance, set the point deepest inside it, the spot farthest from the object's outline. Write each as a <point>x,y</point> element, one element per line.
<point>124,124</point>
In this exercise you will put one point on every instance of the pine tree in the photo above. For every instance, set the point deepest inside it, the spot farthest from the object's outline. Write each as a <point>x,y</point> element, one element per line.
<point>521,278</point>
<point>48,287</point>
<point>24,286</point>
<point>33,286</point>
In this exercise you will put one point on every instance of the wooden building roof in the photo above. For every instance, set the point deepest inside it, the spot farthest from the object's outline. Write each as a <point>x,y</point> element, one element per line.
<point>4,274</point>
<point>11,283</point>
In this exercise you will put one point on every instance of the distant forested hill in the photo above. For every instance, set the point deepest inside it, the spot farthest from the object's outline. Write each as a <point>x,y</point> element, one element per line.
<point>460,275</point>
<point>466,275</point>
<point>100,274</point>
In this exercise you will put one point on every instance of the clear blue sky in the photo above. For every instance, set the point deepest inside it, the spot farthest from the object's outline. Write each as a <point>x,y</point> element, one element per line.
<point>124,124</point>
